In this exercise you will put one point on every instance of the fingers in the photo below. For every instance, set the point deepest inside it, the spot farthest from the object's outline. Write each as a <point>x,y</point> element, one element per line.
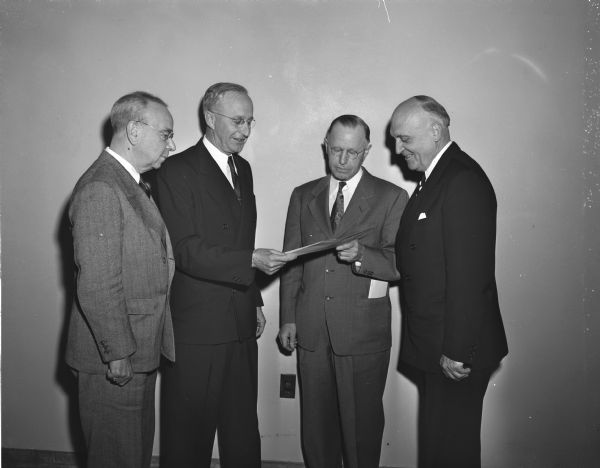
<point>454,370</point>
<point>270,261</point>
<point>119,371</point>
<point>287,337</point>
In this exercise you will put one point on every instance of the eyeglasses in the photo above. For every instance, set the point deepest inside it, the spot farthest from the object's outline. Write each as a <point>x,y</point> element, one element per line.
<point>352,154</point>
<point>165,135</point>
<point>238,121</point>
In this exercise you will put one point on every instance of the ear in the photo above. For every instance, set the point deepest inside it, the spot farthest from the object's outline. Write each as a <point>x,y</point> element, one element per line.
<point>367,149</point>
<point>133,132</point>
<point>436,131</point>
<point>209,118</point>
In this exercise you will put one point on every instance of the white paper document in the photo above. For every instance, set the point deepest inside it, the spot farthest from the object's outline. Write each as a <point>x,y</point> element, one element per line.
<point>377,289</point>
<point>326,244</point>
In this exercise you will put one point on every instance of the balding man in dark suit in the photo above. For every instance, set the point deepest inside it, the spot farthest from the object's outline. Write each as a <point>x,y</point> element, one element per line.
<point>452,332</point>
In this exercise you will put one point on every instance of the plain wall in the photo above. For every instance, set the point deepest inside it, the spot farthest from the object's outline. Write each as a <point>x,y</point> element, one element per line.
<point>520,81</point>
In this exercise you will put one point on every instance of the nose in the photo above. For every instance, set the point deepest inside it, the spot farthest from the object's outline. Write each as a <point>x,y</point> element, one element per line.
<point>171,144</point>
<point>399,146</point>
<point>245,129</point>
<point>344,158</point>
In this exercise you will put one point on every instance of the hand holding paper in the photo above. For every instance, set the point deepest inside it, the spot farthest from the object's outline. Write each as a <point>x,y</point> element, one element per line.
<point>270,261</point>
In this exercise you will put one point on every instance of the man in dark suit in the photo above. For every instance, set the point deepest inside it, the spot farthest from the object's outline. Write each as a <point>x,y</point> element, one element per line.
<point>452,331</point>
<point>206,197</point>
<point>335,304</point>
<point>121,320</point>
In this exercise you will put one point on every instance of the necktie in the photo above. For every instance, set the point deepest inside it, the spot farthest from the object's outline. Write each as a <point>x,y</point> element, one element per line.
<point>145,187</point>
<point>338,208</point>
<point>420,184</point>
<point>234,178</point>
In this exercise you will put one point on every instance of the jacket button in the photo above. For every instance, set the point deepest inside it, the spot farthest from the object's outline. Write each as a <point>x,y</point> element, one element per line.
<point>407,277</point>
<point>328,298</point>
<point>225,226</point>
<point>412,246</point>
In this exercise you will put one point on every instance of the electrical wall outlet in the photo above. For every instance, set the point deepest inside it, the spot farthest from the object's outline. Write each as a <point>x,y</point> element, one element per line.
<point>287,386</point>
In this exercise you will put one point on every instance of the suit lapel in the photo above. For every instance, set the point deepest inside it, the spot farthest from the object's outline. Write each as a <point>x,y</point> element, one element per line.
<point>319,206</point>
<point>139,200</point>
<point>420,203</point>
<point>215,182</point>
<point>359,205</point>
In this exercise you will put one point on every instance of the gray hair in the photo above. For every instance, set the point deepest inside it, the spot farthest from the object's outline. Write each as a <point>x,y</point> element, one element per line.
<point>216,92</point>
<point>131,107</point>
<point>431,106</point>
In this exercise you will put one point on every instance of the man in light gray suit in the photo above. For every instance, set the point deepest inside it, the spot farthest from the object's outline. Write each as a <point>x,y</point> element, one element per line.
<point>121,321</point>
<point>336,305</point>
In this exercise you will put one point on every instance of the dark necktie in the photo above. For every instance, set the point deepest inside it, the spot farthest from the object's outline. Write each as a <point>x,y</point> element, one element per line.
<point>234,179</point>
<point>145,187</point>
<point>420,184</point>
<point>338,208</point>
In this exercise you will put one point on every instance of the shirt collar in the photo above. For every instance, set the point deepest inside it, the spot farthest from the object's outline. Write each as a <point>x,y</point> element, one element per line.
<point>429,170</point>
<point>126,164</point>
<point>350,183</point>
<point>215,152</point>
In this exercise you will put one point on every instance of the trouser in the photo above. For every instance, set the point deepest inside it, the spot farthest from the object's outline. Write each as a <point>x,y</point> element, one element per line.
<point>342,408</point>
<point>450,419</point>
<point>117,422</point>
<point>211,388</point>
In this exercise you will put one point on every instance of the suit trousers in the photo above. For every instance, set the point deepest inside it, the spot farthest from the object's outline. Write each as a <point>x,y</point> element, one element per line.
<point>342,408</point>
<point>450,419</point>
<point>117,422</point>
<point>211,388</point>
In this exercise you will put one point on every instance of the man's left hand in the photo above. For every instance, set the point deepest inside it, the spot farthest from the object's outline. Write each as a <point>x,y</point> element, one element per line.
<point>261,321</point>
<point>454,370</point>
<point>350,251</point>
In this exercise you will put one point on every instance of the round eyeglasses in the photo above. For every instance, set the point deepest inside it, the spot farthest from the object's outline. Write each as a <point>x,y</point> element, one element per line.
<point>165,135</point>
<point>239,122</point>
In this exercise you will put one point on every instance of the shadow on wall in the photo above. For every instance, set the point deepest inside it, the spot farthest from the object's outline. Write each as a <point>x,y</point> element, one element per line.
<point>64,376</point>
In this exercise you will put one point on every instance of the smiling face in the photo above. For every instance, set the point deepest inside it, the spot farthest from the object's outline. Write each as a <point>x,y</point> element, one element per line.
<point>417,135</point>
<point>221,130</point>
<point>347,148</point>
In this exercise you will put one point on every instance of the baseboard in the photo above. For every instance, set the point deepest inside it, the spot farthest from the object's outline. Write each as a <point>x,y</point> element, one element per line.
<point>24,458</point>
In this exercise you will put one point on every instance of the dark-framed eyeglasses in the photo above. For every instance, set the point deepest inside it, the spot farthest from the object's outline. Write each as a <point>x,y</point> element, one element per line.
<point>238,121</point>
<point>165,135</point>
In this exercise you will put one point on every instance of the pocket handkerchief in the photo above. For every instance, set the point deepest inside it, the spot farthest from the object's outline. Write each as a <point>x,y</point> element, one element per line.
<point>422,216</point>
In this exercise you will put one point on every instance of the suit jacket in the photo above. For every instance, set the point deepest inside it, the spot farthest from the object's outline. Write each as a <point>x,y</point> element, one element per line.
<point>446,256</point>
<point>318,289</point>
<point>214,296</point>
<point>124,267</point>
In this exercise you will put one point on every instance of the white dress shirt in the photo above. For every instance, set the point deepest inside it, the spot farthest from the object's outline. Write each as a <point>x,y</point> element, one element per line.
<point>126,164</point>
<point>220,158</point>
<point>347,191</point>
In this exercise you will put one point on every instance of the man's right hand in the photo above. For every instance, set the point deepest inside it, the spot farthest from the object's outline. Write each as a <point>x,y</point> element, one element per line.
<point>287,336</point>
<point>120,371</point>
<point>270,261</point>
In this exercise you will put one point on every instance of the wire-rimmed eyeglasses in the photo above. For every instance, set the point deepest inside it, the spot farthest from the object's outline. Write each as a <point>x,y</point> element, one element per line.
<point>238,121</point>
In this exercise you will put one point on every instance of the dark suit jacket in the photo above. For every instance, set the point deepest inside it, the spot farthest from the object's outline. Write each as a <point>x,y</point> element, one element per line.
<point>214,295</point>
<point>447,263</point>
<point>124,269</point>
<point>318,287</point>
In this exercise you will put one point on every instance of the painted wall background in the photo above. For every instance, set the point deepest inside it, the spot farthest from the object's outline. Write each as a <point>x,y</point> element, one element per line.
<point>519,79</point>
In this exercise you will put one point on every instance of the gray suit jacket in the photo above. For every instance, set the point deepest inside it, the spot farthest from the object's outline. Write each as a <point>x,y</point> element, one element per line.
<point>124,265</point>
<point>317,289</point>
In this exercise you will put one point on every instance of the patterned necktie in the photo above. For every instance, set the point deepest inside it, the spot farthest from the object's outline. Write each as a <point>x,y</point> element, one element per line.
<point>234,179</point>
<point>338,208</point>
<point>420,184</point>
<point>145,187</point>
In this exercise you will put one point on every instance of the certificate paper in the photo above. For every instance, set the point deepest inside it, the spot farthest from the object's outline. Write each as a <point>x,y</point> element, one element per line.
<point>326,244</point>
